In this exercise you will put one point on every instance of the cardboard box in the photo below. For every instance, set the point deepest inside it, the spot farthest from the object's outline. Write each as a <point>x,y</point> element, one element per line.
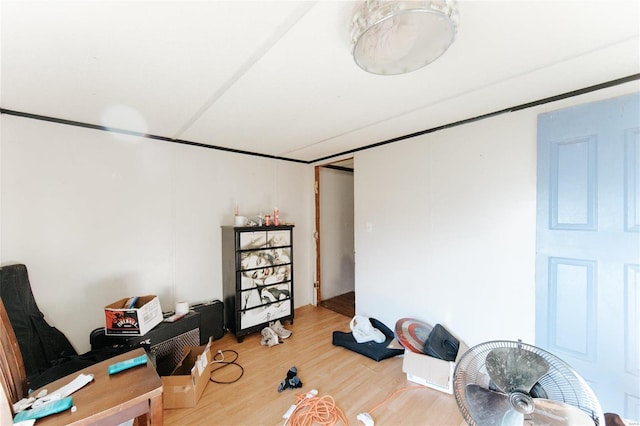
<point>184,387</point>
<point>432,372</point>
<point>136,321</point>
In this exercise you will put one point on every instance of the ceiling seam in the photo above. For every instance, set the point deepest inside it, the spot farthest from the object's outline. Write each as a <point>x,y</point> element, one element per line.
<point>258,54</point>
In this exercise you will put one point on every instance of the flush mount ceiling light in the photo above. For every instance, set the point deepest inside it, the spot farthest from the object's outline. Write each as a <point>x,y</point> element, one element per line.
<point>395,37</point>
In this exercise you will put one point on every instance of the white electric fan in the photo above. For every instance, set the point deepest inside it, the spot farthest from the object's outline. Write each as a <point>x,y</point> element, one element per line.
<point>512,383</point>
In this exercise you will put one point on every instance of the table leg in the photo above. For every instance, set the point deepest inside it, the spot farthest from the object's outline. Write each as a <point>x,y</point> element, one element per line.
<point>156,410</point>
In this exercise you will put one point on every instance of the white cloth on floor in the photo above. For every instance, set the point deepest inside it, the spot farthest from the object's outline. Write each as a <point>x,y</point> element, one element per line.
<point>364,332</point>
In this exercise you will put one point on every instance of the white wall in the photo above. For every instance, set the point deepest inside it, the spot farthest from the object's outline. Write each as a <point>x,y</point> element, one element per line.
<point>96,217</point>
<point>454,226</point>
<point>452,214</point>
<point>336,232</point>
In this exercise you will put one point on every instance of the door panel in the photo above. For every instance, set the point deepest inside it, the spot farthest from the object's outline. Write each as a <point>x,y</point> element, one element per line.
<point>632,180</point>
<point>573,184</point>
<point>588,246</point>
<point>574,323</point>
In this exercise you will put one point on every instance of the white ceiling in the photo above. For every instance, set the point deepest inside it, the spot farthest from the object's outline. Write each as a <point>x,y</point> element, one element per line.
<point>277,77</point>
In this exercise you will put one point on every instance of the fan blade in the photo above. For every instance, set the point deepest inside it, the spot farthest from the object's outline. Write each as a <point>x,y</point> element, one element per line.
<point>515,368</point>
<point>556,413</point>
<point>489,408</point>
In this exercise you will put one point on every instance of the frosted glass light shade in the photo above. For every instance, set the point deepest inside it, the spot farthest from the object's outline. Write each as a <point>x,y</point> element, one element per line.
<point>395,37</point>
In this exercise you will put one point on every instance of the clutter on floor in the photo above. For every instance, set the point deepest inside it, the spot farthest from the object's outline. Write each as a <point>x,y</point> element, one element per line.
<point>279,329</point>
<point>364,332</point>
<point>430,353</point>
<point>185,385</point>
<point>222,360</point>
<point>441,344</point>
<point>311,409</point>
<point>412,333</point>
<point>292,381</point>
<point>376,350</point>
<point>273,333</point>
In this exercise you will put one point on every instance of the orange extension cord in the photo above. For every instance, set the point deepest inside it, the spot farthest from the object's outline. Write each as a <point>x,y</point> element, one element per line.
<point>394,394</point>
<point>323,410</point>
<point>316,411</point>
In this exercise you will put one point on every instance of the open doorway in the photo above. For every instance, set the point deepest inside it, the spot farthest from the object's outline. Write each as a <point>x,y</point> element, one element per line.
<point>335,255</point>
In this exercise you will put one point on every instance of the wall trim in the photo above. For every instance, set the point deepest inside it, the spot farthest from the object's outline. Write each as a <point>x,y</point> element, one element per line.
<point>516,108</point>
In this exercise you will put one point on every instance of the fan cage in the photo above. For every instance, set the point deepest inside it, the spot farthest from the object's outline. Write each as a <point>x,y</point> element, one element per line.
<point>562,383</point>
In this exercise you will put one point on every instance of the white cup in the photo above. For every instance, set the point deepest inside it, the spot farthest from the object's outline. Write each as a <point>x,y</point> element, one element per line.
<point>240,220</point>
<point>182,308</point>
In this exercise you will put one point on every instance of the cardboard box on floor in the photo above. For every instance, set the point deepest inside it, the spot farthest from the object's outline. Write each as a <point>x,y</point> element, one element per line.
<point>432,372</point>
<point>184,387</point>
<point>136,321</point>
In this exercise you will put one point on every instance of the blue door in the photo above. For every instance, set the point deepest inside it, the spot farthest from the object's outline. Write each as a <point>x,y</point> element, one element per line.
<point>588,246</point>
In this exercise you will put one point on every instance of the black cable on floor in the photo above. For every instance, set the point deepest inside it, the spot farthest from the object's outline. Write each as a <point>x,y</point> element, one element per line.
<point>219,358</point>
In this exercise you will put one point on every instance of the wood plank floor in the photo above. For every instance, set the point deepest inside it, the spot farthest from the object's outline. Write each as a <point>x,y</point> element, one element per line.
<point>357,384</point>
<point>344,304</point>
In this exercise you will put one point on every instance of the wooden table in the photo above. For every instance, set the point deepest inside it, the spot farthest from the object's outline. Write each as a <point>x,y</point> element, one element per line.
<point>111,400</point>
